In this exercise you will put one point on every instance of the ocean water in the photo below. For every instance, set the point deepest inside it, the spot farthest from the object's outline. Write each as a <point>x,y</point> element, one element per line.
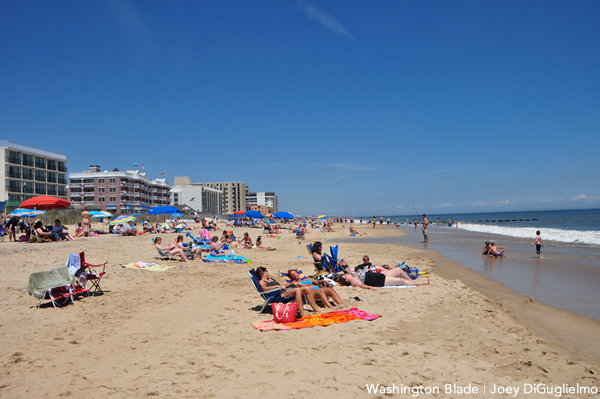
<point>567,276</point>
<point>567,226</point>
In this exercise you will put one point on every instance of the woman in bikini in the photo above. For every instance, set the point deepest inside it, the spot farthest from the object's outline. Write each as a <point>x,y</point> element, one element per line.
<point>287,290</point>
<point>246,241</point>
<point>197,251</point>
<point>85,221</point>
<point>319,287</point>
<point>260,246</point>
<point>170,250</point>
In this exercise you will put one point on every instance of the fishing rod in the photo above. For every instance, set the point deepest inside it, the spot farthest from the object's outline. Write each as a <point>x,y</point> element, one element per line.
<point>416,212</point>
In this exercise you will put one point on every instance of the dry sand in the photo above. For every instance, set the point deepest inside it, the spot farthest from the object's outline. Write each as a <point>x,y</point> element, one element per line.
<point>186,332</point>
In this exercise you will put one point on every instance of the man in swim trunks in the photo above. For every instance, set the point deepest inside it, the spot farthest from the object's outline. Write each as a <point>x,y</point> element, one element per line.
<point>425,224</point>
<point>85,221</point>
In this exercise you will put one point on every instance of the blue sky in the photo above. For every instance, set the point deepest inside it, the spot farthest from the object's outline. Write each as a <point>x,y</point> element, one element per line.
<point>340,107</point>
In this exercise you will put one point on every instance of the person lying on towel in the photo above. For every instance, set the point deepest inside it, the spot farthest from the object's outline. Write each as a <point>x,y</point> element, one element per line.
<point>371,281</point>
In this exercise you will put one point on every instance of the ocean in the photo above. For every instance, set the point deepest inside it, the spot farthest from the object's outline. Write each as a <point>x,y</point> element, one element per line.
<point>567,276</point>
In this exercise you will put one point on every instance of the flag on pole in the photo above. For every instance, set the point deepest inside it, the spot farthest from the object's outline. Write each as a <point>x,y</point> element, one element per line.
<point>162,174</point>
<point>192,199</point>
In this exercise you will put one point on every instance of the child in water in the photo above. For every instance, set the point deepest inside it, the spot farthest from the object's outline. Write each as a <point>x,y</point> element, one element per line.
<point>539,244</point>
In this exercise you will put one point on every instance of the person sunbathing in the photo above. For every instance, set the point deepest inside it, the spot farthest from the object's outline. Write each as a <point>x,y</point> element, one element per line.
<point>317,251</point>
<point>287,290</point>
<point>225,239</point>
<point>169,250</point>
<point>197,251</point>
<point>42,232</point>
<point>215,247</point>
<point>368,266</point>
<point>246,241</point>
<point>275,230</point>
<point>60,230</point>
<point>324,291</point>
<point>260,246</point>
<point>371,281</point>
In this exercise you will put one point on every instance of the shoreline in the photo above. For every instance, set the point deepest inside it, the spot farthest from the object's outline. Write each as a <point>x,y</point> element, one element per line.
<point>187,331</point>
<point>573,332</point>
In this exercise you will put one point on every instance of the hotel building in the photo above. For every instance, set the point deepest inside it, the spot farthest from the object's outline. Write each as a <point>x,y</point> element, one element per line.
<point>234,193</point>
<point>117,191</point>
<point>200,198</point>
<point>262,199</point>
<point>30,172</point>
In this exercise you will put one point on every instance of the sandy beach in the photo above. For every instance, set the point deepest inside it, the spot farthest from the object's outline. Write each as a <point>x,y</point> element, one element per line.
<point>186,332</point>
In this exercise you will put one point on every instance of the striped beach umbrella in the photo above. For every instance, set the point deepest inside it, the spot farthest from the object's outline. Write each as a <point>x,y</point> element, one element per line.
<point>25,213</point>
<point>123,219</point>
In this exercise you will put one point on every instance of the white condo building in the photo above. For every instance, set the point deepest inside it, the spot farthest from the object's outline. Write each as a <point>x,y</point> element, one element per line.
<point>30,172</point>
<point>196,196</point>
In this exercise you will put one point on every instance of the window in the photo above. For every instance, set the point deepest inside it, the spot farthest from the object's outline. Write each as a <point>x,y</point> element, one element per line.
<point>27,160</point>
<point>112,199</point>
<point>40,188</point>
<point>51,177</point>
<point>112,180</point>
<point>51,190</point>
<point>101,199</point>
<point>101,189</point>
<point>100,180</point>
<point>40,163</point>
<point>51,164</point>
<point>40,175</point>
<point>112,189</point>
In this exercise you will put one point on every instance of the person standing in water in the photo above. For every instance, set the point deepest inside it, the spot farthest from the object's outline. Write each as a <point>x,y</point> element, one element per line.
<point>373,221</point>
<point>539,244</point>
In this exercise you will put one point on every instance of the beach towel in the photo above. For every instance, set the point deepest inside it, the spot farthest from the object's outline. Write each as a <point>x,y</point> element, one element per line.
<point>41,282</point>
<point>324,319</point>
<point>226,259</point>
<point>147,266</point>
<point>74,263</point>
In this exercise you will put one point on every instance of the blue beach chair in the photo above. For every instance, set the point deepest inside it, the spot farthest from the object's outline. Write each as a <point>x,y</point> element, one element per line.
<point>271,296</point>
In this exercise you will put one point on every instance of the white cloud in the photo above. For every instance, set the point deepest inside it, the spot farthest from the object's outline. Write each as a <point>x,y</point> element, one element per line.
<point>445,204</point>
<point>581,197</point>
<point>314,12</point>
<point>399,206</point>
<point>342,177</point>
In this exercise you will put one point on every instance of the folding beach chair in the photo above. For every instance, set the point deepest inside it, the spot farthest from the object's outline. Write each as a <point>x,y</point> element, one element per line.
<point>319,268</point>
<point>271,296</point>
<point>52,285</point>
<point>299,234</point>
<point>94,276</point>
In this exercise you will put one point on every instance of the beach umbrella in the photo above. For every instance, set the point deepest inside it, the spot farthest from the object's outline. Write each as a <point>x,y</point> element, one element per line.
<point>123,219</point>
<point>98,214</point>
<point>45,202</point>
<point>254,215</point>
<point>283,215</point>
<point>239,212</point>
<point>25,213</point>
<point>162,210</point>
<point>321,216</point>
<point>177,215</point>
<point>136,214</point>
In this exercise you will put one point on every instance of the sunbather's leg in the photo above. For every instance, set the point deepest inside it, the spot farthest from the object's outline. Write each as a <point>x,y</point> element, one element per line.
<point>329,291</point>
<point>389,281</point>
<point>297,294</point>
<point>180,252</point>
<point>396,272</point>
<point>323,297</point>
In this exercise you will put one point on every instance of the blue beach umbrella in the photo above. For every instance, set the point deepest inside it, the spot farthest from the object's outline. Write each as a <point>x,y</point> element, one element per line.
<point>98,214</point>
<point>177,215</point>
<point>161,210</point>
<point>283,215</point>
<point>254,215</point>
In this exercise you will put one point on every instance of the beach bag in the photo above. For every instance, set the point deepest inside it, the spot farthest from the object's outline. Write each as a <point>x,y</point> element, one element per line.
<point>413,273</point>
<point>284,312</point>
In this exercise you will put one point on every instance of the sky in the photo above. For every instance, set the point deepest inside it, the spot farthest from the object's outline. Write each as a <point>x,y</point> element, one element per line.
<point>339,107</point>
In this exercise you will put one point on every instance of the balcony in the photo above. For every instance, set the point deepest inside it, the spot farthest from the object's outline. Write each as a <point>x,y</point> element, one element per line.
<point>40,190</point>
<point>14,188</point>
<point>51,165</point>
<point>27,175</point>
<point>13,173</point>
<point>15,160</point>
<point>61,181</point>
<point>62,168</point>
<point>51,190</point>
<point>40,165</point>
<point>62,192</point>
<point>51,179</point>
<point>27,161</point>
<point>40,178</point>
